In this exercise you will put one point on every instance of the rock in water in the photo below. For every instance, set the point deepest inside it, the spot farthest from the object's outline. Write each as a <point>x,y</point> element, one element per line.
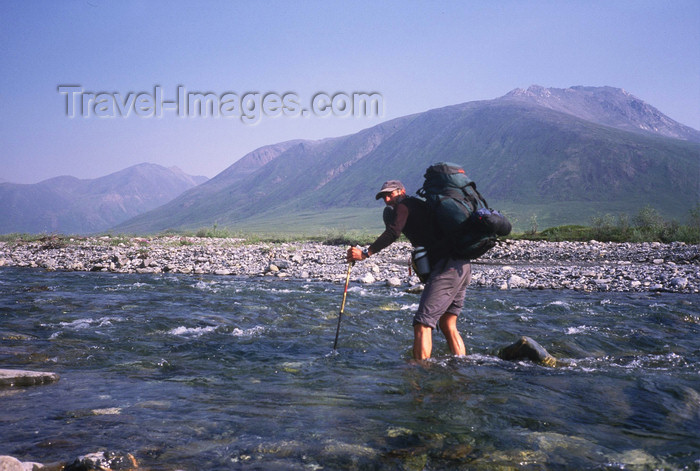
<point>104,461</point>
<point>367,279</point>
<point>527,349</point>
<point>25,378</point>
<point>393,281</point>
<point>8,463</point>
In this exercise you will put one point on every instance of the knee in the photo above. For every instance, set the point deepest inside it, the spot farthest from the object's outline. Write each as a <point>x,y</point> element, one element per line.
<point>421,329</point>
<point>448,322</point>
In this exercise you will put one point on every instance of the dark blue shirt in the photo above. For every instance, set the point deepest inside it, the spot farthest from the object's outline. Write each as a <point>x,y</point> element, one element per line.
<point>412,218</point>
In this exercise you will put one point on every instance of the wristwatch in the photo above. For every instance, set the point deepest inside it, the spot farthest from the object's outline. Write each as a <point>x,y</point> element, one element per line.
<point>365,252</point>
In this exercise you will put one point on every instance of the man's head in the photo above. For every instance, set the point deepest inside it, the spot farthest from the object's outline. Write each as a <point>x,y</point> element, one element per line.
<point>392,191</point>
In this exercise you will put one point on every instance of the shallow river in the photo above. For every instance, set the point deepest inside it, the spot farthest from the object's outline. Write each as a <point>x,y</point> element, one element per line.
<point>205,373</point>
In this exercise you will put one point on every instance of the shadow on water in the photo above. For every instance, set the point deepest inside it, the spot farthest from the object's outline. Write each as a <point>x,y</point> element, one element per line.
<point>226,373</point>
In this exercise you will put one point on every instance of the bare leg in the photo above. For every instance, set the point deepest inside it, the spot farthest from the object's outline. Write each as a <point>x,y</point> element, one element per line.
<point>448,325</point>
<point>422,342</point>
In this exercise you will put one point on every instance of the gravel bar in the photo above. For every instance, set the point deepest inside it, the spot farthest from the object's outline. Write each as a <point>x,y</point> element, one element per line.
<point>512,264</point>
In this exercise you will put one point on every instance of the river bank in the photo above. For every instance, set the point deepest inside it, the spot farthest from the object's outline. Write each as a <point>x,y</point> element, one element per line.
<point>586,266</point>
<point>236,371</point>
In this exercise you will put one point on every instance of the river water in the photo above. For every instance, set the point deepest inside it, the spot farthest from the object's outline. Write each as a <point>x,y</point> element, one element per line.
<point>208,373</point>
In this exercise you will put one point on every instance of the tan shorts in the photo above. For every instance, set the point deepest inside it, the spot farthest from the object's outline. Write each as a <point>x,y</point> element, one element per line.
<point>444,291</point>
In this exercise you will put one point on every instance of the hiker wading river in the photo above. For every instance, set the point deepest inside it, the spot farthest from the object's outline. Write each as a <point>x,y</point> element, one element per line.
<point>445,285</point>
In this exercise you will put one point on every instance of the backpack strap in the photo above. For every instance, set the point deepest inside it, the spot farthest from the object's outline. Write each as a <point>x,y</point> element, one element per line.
<point>481,198</point>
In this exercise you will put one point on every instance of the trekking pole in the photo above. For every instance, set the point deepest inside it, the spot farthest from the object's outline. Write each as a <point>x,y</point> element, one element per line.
<point>342,305</point>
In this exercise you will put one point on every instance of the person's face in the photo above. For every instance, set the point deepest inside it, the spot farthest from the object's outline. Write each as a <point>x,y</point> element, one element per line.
<point>391,199</point>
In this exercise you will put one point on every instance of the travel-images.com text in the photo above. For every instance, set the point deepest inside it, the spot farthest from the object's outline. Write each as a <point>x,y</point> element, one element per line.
<point>249,107</point>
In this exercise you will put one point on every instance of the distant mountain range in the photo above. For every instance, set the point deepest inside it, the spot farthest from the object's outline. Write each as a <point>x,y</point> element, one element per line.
<point>552,155</point>
<point>72,206</point>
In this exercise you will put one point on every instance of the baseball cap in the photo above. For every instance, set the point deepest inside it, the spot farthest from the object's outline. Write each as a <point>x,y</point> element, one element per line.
<point>390,186</point>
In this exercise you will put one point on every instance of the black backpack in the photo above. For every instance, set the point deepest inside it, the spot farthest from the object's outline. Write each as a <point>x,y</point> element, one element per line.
<point>460,213</point>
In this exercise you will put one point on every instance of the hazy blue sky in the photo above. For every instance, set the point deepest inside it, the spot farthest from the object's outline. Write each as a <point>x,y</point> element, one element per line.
<point>416,55</point>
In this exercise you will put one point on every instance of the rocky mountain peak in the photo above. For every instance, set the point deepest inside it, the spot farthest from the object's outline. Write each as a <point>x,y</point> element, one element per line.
<point>608,106</point>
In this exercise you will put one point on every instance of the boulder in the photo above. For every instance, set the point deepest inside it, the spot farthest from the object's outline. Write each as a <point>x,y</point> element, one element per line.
<point>515,281</point>
<point>527,349</point>
<point>104,461</point>
<point>367,278</point>
<point>8,463</point>
<point>26,378</point>
<point>393,282</point>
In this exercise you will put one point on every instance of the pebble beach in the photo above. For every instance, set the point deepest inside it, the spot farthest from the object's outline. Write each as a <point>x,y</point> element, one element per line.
<point>512,264</point>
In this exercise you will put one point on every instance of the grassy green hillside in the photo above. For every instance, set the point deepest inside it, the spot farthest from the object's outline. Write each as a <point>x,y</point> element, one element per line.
<point>532,162</point>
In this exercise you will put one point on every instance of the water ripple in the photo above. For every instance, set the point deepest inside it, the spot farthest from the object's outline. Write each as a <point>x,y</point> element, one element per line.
<point>231,373</point>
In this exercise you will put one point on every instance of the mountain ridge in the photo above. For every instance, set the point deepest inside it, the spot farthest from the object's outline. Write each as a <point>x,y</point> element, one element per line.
<point>525,156</point>
<point>71,205</point>
<point>558,155</point>
<point>609,106</point>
